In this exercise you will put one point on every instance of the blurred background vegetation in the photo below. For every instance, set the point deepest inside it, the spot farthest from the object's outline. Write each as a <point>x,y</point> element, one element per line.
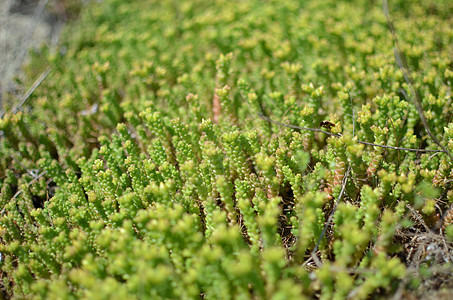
<point>25,25</point>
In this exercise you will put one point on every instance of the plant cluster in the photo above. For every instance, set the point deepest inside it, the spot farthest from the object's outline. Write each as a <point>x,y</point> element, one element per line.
<point>141,168</point>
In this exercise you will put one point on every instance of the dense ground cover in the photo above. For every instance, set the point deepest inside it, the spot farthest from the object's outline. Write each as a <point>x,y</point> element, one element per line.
<point>141,168</point>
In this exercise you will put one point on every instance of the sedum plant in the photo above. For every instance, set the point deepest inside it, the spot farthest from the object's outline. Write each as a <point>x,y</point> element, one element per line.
<point>150,164</point>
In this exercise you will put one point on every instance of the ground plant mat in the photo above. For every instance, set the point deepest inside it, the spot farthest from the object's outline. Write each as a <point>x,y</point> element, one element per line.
<point>221,149</point>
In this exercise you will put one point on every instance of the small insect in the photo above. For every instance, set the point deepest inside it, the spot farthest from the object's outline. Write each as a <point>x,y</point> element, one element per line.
<point>327,124</point>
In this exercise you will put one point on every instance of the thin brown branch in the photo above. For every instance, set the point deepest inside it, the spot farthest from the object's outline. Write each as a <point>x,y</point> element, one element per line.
<point>339,135</point>
<point>418,217</point>
<point>329,220</point>
<point>400,148</point>
<point>38,13</point>
<point>297,127</point>
<point>30,91</point>
<point>402,64</point>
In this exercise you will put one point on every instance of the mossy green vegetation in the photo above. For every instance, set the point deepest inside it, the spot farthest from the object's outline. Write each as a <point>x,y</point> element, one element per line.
<point>141,167</point>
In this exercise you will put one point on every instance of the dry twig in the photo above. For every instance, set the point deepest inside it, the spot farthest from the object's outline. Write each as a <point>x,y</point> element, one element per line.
<point>329,220</point>
<point>30,91</point>
<point>402,64</point>
<point>36,17</point>
<point>339,135</point>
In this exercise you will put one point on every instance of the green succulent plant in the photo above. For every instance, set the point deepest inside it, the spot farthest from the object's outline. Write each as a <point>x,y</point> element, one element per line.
<point>232,150</point>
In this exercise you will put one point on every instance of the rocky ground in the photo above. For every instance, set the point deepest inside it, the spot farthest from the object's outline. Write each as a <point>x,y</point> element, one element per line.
<point>24,25</point>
